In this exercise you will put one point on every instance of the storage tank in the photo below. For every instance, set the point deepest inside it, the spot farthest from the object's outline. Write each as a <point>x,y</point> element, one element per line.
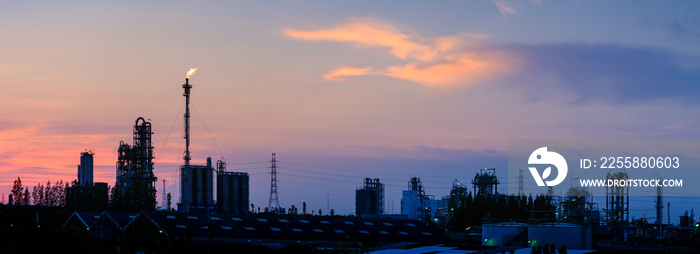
<point>498,234</point>
<point>572,235</point>
<point>232,192</point>
<point>197,185</point>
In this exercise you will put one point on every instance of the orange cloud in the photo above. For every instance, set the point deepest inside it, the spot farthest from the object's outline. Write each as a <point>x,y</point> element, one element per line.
<point>441,62</point>
<point>446,44</point>
<point>460,69</point>
<point>368,32</point>
<point>341,72</point>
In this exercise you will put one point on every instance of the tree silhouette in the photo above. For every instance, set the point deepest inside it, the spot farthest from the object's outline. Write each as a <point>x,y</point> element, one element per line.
<point>17,192</point>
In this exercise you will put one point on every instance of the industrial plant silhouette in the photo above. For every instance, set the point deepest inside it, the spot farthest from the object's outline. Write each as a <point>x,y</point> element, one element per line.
<point>88,216</point>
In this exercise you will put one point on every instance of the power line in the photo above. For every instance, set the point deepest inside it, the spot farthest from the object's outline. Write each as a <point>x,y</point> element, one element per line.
<point>171,129</point>
<point>244,163</point>
<point>250,168</point>
<point>207,129</point>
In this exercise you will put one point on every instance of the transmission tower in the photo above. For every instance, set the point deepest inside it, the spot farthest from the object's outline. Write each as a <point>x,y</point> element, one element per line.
<point>163,195</point>
<point>274,203</point>
<point>520,184</point>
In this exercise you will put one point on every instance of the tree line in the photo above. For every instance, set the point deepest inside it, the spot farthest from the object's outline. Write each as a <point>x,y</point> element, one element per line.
<point>82,198</point>
<point>60,194</point>
<point>41,195</point>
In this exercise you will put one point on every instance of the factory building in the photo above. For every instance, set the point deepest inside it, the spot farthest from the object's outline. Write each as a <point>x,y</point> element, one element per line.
<point>135,179</point>
<point>369,199</point>
<point>419,206</point>
<point>85,169</point>
<point>231,190</point>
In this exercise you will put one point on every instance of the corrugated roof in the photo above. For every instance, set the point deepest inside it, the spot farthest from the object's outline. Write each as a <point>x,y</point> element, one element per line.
<point>287,227</point>
<point>297,227</point>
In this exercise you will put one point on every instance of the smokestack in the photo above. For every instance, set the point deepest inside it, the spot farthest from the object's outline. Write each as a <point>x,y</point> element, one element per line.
<point>185,193</point>
<point>187,88</point>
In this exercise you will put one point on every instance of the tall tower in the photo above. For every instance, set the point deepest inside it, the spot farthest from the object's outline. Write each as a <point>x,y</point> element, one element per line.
<point>85,169</point>
<point>185,190</point>
<point>196,181</point>
<point>274,203</point>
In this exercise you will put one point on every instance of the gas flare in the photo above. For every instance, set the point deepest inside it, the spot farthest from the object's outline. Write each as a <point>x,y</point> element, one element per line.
<point>191,72</point>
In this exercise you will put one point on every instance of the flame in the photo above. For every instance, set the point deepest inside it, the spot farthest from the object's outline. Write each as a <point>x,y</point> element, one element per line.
<point>191,72</point>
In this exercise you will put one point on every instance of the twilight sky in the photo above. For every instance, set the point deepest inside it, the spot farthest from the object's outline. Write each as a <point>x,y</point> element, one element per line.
<point>339,90</point>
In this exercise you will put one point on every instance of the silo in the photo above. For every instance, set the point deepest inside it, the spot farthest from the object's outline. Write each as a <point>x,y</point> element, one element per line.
<point>232,192</point>
<point>197,185</point>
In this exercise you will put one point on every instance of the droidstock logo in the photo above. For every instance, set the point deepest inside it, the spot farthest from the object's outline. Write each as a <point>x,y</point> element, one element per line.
<point>543,157</point>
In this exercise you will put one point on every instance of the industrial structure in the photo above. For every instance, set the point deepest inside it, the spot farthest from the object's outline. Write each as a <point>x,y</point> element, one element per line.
<point>617,205</point>
<point>485,182</point>
<point>578,207</point>
<point>85,169</point>
<point>196,181</point>
<point>660,209</point>
<point>84,194</point>
<point>135,179</point>
<point>458,196</point>
<point>369,199</point>
<point>231,190</point>
<point>419,206</point>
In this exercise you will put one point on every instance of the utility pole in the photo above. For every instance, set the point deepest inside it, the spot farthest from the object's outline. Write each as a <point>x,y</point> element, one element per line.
<point>328,203</point>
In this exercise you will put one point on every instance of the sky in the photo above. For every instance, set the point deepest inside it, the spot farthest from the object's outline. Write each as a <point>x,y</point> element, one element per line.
<point>339,91</point>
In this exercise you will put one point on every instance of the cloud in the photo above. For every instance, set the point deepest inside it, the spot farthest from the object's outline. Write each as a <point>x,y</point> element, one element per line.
<point>685,27</point>
<point>442,62</point>
<point>341,72</point>
<point>465,68</point>
<point>369,32</point>
<point>446,44</point>
<point>504,7</point>
<point>609,73</point>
